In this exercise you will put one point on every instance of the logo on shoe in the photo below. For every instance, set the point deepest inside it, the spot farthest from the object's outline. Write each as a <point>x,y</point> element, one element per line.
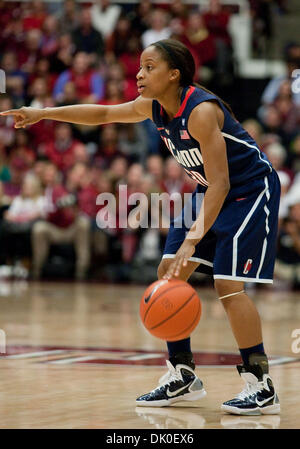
<point>261,403</point>
<point>176,392</point>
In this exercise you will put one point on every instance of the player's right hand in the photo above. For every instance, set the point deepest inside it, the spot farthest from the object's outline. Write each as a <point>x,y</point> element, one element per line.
<point>24,116</point>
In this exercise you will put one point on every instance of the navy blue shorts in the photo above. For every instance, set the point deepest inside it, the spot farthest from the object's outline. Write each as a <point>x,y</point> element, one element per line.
<point>241,244</point>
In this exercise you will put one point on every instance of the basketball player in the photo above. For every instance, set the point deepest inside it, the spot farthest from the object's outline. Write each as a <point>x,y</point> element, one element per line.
<point>237,214</point>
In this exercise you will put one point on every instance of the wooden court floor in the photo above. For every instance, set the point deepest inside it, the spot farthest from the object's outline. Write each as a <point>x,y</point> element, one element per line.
<point>77,356</point>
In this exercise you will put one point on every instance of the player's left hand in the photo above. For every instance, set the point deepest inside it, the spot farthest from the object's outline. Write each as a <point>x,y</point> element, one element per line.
<point>182,256</point>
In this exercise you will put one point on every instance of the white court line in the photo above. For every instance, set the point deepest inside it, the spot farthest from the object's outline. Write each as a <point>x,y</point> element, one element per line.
<point>142,357</point>
<point>28,355</point>
<point>74,359</point>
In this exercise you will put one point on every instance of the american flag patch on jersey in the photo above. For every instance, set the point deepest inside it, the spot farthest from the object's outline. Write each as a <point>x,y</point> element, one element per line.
<point>184,134</point>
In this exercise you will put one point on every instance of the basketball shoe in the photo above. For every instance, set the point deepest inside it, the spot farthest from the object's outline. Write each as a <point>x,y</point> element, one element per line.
<point>180,383</point>
<point>259,396</point>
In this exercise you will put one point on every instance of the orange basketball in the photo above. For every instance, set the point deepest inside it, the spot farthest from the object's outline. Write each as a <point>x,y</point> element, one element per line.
<point>170,310</point>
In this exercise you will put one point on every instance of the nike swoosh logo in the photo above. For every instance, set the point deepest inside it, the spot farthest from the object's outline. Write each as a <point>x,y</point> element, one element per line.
<point>174,393</point>
<point>147,299</point>
<point>260,403</point>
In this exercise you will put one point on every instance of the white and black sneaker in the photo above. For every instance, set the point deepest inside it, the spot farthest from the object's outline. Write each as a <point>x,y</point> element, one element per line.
<point>180,383</point>
<point>258,397</point>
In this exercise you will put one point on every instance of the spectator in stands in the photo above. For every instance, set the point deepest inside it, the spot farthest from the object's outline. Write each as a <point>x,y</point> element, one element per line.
<point>179,10</point>
<point>79,182</point>
<point>158,30</point>
<point>141,16</point>
<point>86,38</point>
<point>39,93</point>
<point>16,79</point>
<point>22,149</point>
<point>109,146</point>
<point>7,130</point>
<point>18,168</point>
<point>155,167</point>
<point>44,70</point>
<point>42,133</point>
<point>61,150</point>
<point>262,31</point>
<point>81,154</point>
<point>294,154</point>
<point>289,111</point>
<point>130,235</point>
<point>69,95</point>
<point>271,122</point>
<point>24,211</point>
<point>292,61</point>
<point>114,92</point>
<point>287,265</point>
<point>117,171</point>
<point>49,44</point>
<point>133,142</point>
<point>116,43</point>
<point>105,16</point>
<point>199,40</point>
<point>174,183</point>
<point>130,61</point>
<point>68,15</point>
<point>216,20</point>
<point>63,58</point>
<point>88,82</point>
<point>277,155</point>
<point>30,52</point>
<point>64,224</point>
<point>34,15</point>
<point>115,72</point>
<point>4,168</point>
<point>254,129</point>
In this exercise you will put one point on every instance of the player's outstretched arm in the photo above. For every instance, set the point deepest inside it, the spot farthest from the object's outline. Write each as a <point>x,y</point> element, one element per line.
<point>85,114</point>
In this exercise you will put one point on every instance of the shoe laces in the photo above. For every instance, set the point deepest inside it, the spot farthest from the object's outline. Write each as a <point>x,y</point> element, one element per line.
<point>252,386</point>
<point>172,375</point>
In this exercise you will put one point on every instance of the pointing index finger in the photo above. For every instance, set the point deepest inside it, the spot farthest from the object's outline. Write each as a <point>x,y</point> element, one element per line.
<point>11,112</point>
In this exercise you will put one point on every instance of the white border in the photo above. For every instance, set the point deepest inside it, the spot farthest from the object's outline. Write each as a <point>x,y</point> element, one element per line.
<point>240,278</point>
<point>191,259</point>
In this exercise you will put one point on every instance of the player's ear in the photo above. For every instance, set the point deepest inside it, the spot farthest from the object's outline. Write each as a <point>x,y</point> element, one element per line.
<point>174,75</point>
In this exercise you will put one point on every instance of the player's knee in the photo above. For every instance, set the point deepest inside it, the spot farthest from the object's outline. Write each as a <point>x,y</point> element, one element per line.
<point>226,287</point>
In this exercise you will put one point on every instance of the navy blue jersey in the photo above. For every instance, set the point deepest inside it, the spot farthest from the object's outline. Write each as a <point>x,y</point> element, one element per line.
<point>245,160</point>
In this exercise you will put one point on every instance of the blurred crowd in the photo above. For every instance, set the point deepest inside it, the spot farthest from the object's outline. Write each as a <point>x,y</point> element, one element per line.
<point>52,173</point>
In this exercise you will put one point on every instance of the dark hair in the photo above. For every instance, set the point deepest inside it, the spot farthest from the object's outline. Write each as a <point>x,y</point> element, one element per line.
<point>178,56</point>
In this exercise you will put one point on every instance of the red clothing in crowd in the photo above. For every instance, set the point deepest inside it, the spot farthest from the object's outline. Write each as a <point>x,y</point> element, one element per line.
<point>42,132</point>
<point>62,158</point>
<point>86,198</point>
<point>131,65</point>
<point>82,82</point>
<point>202,49</point>
<point>62,217</point>
<point>217,25</point>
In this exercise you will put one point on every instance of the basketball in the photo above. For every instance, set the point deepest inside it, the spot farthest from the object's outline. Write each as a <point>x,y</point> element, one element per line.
<point>170,310</point>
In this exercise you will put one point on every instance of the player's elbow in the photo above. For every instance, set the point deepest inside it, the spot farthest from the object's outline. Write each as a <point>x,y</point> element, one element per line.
<point>226,185</point>
<point>222,185</point>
